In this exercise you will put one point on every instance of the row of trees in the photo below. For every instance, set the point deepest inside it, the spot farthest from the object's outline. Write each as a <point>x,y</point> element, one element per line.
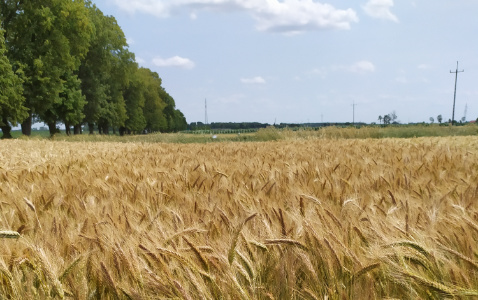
<point>390,118</point>
<point>226,125</point>
<point>440,119</point>
<point>64,61</point>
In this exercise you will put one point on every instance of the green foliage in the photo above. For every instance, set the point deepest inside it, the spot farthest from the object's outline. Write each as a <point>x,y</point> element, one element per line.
<point>12,110</point>
<point>69,63</point>
<point>154,105</point>
<point>104,71</point>
<point>48,39</point>
<point>134,99</point>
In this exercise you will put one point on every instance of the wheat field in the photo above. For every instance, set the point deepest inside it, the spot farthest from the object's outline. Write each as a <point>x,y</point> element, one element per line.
<point>294,219</point>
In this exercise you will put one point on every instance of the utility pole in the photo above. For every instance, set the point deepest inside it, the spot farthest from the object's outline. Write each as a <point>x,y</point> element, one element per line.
<point>454,98</point>
<point>205,111</point>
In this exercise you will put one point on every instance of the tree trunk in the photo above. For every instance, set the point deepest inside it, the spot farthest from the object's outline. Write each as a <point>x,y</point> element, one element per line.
<point>91,128</point>
<point>106,129</point>
<point>52,128</point>
<point>67,128</point>
<point>27,126</point>
<point>114,130</point>
<point>77,129</point>
<point>122,130</point>
<point>6,130</point>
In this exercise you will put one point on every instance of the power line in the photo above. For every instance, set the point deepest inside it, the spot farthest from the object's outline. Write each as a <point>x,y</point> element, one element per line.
<point>454,97</point>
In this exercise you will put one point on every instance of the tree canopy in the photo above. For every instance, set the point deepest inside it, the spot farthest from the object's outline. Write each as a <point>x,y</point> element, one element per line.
<point>64,61</point>
<point>12,109</point>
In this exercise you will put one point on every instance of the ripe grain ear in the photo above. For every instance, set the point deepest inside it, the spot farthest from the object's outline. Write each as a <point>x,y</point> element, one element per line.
<point>232,249</point>
<point>7,234</point>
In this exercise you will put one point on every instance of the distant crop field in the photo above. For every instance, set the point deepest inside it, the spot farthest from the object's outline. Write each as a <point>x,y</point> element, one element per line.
<point>287,219</point>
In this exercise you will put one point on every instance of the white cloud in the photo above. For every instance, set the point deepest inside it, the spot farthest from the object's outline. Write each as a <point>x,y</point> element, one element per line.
<point>380,9</point>
<point>130,41</point>
<point>285,16</point>
<point>175,61</point>
<point>361,67</point>
<point>139,60</point>
<point>253,80</point>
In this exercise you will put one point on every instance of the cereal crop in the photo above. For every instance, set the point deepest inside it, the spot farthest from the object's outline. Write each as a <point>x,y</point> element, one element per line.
<point>290,219</point>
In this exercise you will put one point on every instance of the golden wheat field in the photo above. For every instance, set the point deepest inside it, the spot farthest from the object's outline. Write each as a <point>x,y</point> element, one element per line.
<point>295,219</point>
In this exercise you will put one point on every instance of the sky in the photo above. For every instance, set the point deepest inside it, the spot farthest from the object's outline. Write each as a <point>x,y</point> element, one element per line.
<point>300,61</point>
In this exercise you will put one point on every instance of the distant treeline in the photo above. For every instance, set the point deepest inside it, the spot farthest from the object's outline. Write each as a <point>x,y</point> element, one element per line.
<point>228,125</point>
<point>64,61</point>
<point>255,125</point>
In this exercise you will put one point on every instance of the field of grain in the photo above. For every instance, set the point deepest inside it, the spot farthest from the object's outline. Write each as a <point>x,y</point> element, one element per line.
<point>304,219</point>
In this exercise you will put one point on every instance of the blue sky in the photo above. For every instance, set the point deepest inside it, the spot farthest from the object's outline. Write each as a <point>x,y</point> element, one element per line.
<point>297,61</point>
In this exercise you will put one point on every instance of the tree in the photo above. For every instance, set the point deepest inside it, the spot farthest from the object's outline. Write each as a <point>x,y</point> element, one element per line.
<point>12,110</point>
<point>47,38</point>
<point>393,117</point>
<point>70,109</point>
<point>386,119</point>
<point>439,118</point>
<point>380,119</point>
<point>180,122</point>
<point>104,73</point>
<point>153,105</point>
<point>134,100</point>
<point>432,120</point>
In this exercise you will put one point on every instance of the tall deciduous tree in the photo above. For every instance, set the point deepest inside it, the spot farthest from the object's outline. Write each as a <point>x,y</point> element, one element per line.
<point>153,105</point>
<point>48,38</point>
<point>12,110</point>
<point>104,72</point>
<point>69,110</point>
<point>134,100</point>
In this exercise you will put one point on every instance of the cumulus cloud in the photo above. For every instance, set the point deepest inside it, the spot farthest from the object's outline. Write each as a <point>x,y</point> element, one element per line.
<point>360,67</point>
<point>140,61</point>
<point>285,16</point>
<point>175,61</point>
<point>380,9</point>
<point>253,80</point>
<point>363,66</point>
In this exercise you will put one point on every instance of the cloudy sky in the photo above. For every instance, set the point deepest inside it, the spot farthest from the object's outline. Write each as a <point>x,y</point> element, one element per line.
<point>297,61</point>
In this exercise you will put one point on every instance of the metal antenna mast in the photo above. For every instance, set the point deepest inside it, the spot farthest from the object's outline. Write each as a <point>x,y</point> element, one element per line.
<point>205,111</point>
<point>454,98</point>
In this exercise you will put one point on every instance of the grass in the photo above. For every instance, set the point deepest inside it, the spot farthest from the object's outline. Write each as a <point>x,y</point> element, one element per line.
<point>299,217</point>
<point>273,134</point>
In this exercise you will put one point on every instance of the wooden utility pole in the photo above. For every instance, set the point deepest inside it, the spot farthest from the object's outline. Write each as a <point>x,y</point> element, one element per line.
<point>454,98</point>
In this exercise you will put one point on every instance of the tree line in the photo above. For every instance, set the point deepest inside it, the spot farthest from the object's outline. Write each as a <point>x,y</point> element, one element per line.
<point>64,61</point>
